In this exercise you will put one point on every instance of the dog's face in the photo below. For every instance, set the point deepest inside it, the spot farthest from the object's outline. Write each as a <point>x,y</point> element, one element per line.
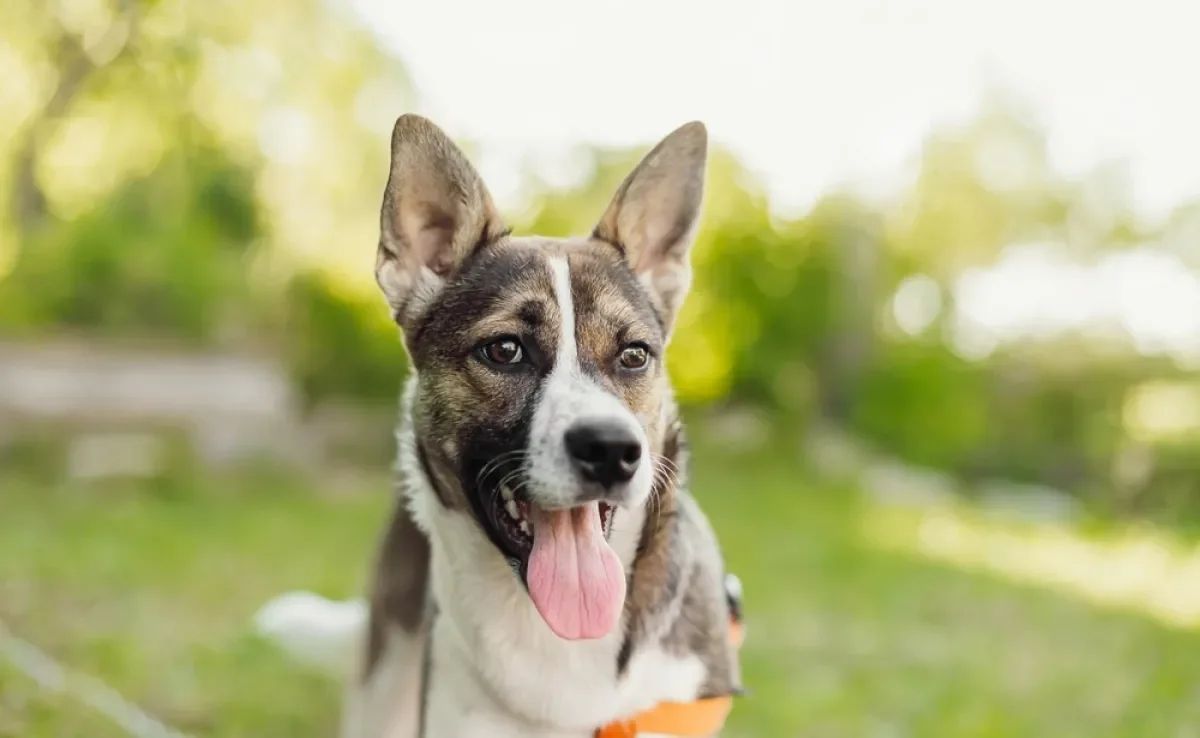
<point>542,393</point>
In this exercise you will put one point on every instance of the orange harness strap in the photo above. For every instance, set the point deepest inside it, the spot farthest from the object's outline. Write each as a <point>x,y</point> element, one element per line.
<point>700,718</point>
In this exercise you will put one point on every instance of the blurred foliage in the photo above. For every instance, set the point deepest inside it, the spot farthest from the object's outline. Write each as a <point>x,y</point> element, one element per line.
<point>170,168</point>
<point>341,343</point>
<point>210,172</point>
<point>163,255</point>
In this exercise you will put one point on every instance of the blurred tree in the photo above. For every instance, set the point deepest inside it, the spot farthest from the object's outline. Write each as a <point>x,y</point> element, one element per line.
<point>158,144</point>
<point>163,256</point>
<point>79,49</point>
<point>980,187</point>
<point>341,344</point>
<point>1182,233</point>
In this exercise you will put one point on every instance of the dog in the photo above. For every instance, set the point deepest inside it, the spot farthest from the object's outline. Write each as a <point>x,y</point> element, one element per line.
<point>545,573</point>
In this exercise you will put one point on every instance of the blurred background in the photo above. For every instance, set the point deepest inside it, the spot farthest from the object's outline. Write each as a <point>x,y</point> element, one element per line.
<point>939,362</point>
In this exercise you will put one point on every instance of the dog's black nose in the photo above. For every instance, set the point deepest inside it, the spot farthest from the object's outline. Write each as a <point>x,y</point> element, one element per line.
<point>604,451</point>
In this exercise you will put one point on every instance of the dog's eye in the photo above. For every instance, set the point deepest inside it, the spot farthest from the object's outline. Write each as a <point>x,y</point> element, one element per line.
<point>635,356</point>
<point>505,352</point>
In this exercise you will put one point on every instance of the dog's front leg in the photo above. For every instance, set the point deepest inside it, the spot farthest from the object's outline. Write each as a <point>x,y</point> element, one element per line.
<point>385,702</point>
<point>384,696</point>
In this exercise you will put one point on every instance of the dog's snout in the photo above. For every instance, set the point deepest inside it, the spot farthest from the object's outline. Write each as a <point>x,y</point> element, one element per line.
<point>604,451</point>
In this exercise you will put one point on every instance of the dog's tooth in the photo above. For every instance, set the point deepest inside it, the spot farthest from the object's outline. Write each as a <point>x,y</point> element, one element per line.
<point>525,527</point>
<point>507,491</point>
<point>511,507</point>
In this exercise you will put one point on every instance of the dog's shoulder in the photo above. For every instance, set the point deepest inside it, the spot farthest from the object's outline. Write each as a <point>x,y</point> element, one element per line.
<point>706,614</point>
<point>680,605</point>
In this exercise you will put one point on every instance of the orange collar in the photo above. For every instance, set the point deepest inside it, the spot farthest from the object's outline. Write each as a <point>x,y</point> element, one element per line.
<point>700,718</point>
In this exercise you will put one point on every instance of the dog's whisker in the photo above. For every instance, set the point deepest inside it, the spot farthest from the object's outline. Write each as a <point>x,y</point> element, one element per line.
<point>665,462</point>
<point>665,475</point>
<point>494,464</point>
<point>487,469</point>
<point>508,478</point>
<point>500,459</point>
<point>511,473</point>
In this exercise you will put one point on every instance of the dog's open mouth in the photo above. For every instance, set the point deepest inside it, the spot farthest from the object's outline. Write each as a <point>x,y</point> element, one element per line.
<point>573,576</point>
<point>512,518</point>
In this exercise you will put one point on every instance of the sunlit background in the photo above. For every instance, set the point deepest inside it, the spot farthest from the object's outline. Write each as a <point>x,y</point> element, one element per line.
<point>939,363</point>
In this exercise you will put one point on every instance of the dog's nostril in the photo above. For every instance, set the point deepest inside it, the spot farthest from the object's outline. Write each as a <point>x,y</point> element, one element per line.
<point>592,452</point>
<point>632,454</point>
<point>606,451</point>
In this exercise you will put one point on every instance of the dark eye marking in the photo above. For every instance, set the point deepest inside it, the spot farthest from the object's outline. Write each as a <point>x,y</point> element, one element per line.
<point>532,315</point>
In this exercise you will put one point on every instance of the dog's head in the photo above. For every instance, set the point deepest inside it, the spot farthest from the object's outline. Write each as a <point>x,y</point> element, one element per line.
<point>542,396</point>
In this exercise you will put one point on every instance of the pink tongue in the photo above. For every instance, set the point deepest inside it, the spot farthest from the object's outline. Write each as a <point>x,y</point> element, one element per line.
<point>575,578</point>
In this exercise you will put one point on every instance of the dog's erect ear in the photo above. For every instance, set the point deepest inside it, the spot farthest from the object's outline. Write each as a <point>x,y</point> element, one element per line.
<point>436,210</point>
<point>653,216</point>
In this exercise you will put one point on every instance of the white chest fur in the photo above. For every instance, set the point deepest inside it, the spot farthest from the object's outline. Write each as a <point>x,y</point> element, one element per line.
<point>498,670</point>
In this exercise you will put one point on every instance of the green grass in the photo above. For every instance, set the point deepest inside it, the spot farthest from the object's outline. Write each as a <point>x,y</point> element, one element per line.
<point>152,589</point>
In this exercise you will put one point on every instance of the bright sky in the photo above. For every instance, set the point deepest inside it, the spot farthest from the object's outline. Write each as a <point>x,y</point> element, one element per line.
<point>810,94</point>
